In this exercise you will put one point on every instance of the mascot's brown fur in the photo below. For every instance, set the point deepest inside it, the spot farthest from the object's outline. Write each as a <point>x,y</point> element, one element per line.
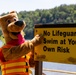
<point>12,30</point>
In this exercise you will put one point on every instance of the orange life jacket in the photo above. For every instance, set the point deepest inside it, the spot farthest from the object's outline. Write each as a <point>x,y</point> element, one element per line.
<point>15,67</point>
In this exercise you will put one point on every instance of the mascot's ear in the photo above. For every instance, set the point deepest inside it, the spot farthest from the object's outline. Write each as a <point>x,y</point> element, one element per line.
<point>12,12</point>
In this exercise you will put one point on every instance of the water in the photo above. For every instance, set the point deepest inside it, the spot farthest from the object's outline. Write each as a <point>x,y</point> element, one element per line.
<point>58,66</point>
<point>1,43</point>
<point>55,66</point>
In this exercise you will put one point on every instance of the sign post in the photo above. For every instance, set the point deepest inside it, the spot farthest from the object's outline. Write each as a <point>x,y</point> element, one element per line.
<point>59,43</point>
<point>38,67</point>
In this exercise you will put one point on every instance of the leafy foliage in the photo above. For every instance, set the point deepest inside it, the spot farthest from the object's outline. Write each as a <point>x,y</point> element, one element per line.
<point>59,15</point>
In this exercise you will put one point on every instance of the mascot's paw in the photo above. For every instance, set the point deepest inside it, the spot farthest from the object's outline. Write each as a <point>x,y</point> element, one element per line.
<point>38,39</point>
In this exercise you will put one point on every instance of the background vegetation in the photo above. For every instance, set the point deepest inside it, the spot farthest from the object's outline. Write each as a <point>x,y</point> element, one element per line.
<point>59,15</point>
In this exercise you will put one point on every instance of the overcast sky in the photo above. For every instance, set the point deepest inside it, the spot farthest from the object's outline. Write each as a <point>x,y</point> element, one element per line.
<point>21,5</point>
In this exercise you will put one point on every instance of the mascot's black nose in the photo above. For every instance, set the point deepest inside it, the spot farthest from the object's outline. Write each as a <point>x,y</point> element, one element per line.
<point>19,23</point>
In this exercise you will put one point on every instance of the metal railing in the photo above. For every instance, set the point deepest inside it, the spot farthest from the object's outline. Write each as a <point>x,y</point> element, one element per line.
<point>59,71</point>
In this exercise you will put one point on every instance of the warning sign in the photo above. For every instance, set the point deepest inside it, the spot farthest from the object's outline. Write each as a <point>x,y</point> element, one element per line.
<point>59,43</point>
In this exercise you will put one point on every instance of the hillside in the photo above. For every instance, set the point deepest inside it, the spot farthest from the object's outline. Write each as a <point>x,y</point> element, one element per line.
<point>59,15</point>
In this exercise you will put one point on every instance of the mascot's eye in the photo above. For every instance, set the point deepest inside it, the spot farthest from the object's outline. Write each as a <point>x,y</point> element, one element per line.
<point>9,21</point>
<point>14,19</point>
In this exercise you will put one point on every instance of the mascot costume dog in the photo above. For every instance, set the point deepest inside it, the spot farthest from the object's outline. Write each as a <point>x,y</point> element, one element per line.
<point>16,55</point>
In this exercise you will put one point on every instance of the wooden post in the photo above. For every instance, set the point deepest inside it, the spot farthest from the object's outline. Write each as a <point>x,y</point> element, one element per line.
<point>38,67</point>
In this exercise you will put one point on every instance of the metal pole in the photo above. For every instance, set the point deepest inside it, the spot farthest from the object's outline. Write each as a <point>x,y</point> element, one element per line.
<point>38,67</point>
